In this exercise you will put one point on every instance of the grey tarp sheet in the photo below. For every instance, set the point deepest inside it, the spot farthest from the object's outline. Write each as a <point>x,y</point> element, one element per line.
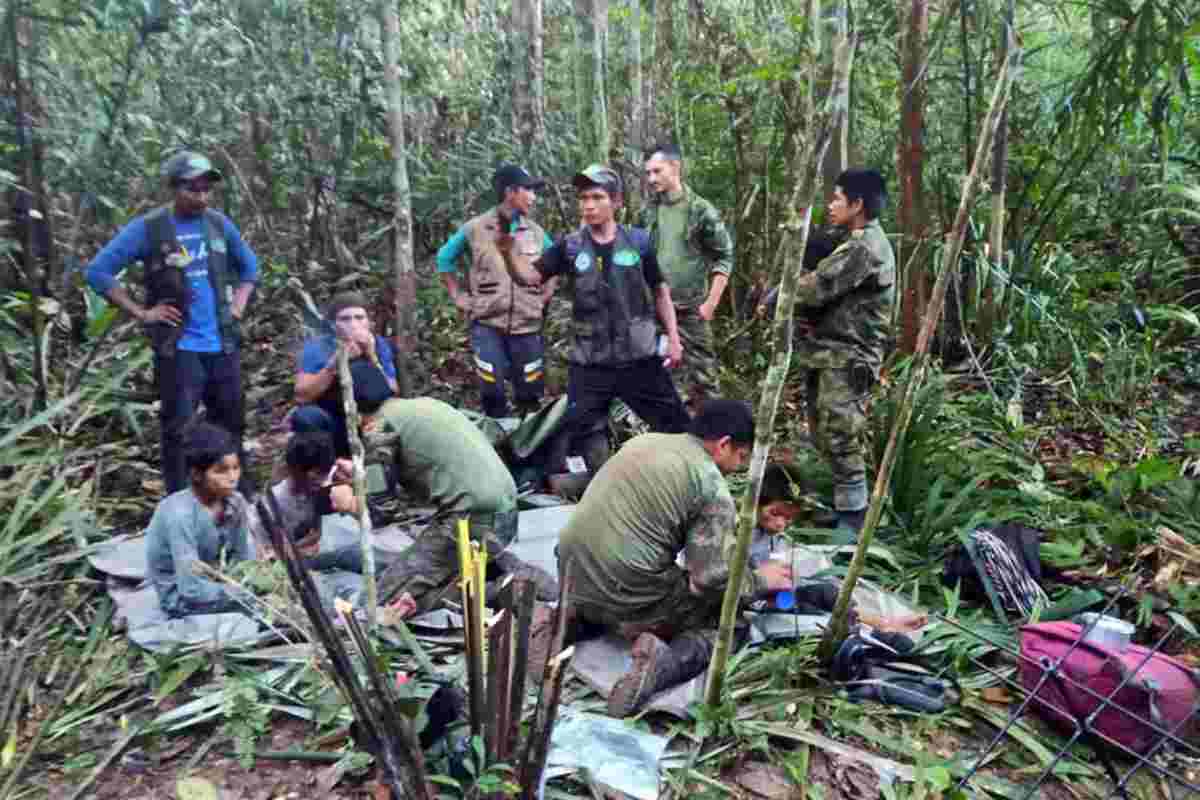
<point>124,561</point>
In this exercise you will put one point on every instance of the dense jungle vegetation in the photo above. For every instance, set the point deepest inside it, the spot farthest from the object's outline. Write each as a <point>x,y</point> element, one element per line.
<point>1064,393</point>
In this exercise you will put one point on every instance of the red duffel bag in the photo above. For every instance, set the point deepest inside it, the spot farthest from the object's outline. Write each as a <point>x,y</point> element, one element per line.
<point>1163,691</point>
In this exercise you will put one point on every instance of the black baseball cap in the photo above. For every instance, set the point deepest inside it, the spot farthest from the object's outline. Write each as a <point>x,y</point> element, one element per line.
<point>598,175</point>
<point>510,175</point>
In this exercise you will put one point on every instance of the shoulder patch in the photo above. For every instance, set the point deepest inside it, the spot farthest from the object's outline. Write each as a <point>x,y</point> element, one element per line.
<point>583,262</point>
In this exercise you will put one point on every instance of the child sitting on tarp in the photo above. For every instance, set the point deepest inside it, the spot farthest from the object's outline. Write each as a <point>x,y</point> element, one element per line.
<point>205,523</point>
<point>316,485</point>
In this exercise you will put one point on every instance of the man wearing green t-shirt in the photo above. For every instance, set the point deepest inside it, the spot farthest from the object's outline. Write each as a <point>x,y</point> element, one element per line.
<point>660,495</point>
<point>695,254</point>
<point>439,456</point>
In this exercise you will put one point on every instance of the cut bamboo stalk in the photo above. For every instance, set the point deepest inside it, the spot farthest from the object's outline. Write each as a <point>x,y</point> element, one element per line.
<point>525,594</point>
<point>403,767</point>
<point>836,105</point>
<point>839,621</point>
<point>500,635</point>
<point>537,748</point>
<point>357,454</point>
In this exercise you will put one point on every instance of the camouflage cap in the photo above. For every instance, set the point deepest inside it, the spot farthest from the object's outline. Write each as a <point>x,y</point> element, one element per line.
<point>186,165</point>
<point>598,175</point>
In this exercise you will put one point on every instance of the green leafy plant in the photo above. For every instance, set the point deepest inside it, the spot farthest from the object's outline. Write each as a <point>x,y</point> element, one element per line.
<point>245,717</point>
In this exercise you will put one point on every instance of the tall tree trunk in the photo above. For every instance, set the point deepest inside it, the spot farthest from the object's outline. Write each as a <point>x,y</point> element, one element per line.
<point>986,319</point>
<point>667,35</point>
<point>650,132</point>
<point>969,88</point>
<point>529,93</point>
<point>781,335</point>
<point>402,245</point>
<point>910,157</point>
<point>635,133</point>
<point>839,619</point>
<point>35,281</point>
<point>591,19</point>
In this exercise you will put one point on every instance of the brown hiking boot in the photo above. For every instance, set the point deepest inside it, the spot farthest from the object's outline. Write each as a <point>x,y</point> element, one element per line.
<point>653,669</point>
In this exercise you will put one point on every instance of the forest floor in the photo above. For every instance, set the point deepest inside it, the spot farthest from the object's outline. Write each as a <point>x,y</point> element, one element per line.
<point>1088,466</point>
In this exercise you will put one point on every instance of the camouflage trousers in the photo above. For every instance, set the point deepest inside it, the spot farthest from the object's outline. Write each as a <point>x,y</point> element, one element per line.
<point>427,570</point>
<point>697,375</point>
<point>679,613</point>
<point>837,421</point>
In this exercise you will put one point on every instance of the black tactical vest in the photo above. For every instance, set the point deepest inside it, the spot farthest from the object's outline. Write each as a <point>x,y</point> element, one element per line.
<point>165,283</point>
<point>613,320</point>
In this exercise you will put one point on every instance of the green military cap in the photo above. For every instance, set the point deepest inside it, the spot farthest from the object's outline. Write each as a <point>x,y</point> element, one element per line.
<point>186,165</point>
<point>598,175</point>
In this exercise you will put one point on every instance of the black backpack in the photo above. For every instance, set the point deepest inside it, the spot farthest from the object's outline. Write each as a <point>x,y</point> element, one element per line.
<point>1001,566</point>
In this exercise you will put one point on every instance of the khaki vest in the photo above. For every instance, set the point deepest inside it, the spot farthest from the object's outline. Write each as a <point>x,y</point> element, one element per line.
<point>496,300</point>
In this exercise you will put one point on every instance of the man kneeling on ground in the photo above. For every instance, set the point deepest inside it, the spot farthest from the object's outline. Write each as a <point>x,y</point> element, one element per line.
<point>660,495</point>
<point>438,455</point>
<point>206,522</point>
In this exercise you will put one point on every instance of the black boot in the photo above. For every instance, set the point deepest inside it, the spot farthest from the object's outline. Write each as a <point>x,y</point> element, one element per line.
<point>658,666</point>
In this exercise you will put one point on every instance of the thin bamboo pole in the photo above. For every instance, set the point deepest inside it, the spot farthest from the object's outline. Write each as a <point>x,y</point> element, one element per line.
<point>839,622</point>
<point>797,234</point>
<point>346,380</point>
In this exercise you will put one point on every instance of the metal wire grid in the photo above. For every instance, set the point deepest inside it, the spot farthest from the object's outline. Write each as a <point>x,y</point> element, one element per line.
<point>1103,746</point>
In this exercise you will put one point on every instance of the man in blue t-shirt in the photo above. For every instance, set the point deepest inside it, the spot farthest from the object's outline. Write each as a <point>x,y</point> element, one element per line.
<point>198,274</point>
<point>372,367</point>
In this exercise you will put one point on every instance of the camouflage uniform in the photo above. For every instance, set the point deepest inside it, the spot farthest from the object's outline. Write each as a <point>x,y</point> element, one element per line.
<point>439,454</point>
<point>704,248</point>
<point>659,495</point>
<point>847,302</point>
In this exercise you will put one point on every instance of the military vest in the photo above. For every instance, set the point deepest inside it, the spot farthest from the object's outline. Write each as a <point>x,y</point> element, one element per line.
<point>496,300</point>
<point>613,309</point>
<point>167,283</point>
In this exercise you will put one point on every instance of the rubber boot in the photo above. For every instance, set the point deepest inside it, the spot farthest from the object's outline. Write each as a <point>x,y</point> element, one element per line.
<point>657,666</point>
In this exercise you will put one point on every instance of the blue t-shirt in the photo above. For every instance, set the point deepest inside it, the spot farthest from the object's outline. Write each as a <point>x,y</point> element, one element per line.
<point>201,333</point>
<point>318,351</point>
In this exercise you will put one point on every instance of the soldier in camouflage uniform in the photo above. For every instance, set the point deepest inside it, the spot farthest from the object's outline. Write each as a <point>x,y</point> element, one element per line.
<point>662,494</point>
<point>439,455</point>
<point>843,325</point>
<point>692,245</point>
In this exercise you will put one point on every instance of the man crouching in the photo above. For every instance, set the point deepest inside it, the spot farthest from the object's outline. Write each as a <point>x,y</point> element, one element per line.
<point>660,495</point>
